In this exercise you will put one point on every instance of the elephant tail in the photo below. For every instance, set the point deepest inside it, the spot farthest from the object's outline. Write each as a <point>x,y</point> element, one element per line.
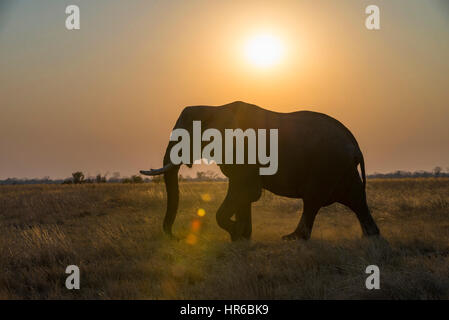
<point>362,169</point>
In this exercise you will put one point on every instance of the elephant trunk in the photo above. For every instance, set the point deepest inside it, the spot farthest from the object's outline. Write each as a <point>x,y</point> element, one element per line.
<point>172,188</point>
<point>170,172</point>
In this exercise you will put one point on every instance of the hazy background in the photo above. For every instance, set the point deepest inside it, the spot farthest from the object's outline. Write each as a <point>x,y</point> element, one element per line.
<point>105,98</point>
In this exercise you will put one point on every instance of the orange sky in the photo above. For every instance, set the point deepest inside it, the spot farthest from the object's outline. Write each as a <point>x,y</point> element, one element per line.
<point>104,98</point>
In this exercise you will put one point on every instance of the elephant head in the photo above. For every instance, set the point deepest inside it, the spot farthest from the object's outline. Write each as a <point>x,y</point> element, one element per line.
<point>210,117</point>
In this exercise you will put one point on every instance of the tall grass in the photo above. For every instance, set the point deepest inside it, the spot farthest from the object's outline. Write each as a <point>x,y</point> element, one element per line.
<point>113,233</point>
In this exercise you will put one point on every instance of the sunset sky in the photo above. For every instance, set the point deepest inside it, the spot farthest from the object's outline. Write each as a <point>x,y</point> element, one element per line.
<point>104,98</point>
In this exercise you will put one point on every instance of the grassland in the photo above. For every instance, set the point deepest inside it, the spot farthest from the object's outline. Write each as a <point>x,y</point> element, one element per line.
<point>113,233</point>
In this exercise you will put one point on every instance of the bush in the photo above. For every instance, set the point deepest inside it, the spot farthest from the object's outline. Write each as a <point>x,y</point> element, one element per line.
<point>133,179</point>
<point>136,179</point>
<point>78,177</point>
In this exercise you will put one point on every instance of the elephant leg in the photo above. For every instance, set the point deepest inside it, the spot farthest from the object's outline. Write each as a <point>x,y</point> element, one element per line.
<point>356,200</point>
<point>240,228</point>
<point>224,214</point>
<point>232,206</point>
<point>304,228</point>
<point>369,226</point>
<point>244,188</point>
<point>243,221</point>
<point>360,207</point>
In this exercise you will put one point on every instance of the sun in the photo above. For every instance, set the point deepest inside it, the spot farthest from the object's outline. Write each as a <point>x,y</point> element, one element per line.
<point>264,50</point>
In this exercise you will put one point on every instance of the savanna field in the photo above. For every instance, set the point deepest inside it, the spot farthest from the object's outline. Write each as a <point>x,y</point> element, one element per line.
<point>113,233</point>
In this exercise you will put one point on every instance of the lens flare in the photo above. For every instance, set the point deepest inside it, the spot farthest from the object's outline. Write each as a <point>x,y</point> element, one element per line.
<point>196,225</point>
<point>201,212</point>
<point>191,239</point>
<point>206,197</point>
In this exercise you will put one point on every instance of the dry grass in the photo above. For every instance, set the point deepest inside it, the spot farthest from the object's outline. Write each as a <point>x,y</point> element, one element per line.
<point>113,233</point>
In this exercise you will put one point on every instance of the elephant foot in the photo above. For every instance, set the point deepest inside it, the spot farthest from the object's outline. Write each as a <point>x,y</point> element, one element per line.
<point>378,241</point>
<point>235,238</point>
<point>293,236</point>
<point>172,237</point>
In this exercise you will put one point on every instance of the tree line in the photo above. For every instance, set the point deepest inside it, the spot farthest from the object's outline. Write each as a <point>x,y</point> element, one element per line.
<point>79,177</point>
<point>436,173</point>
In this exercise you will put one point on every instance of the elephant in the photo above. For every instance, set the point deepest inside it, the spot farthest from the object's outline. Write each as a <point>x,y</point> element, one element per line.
<point>318,159</point>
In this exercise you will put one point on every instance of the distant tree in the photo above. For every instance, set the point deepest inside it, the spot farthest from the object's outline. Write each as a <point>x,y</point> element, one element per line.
<point>100,179</point>
<point>201,175</point>
<point>133,179</point>
<point>136,179</point>
<point>206,176</point>
<point>437,171</point>
<point>78,177</point>
<point>126,180</point>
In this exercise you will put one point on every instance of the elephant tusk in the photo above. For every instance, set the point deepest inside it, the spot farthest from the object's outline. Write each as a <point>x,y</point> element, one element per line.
<point>156,172</point>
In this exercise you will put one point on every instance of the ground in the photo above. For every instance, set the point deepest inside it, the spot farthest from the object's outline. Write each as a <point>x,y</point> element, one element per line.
<point>113,233</point>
